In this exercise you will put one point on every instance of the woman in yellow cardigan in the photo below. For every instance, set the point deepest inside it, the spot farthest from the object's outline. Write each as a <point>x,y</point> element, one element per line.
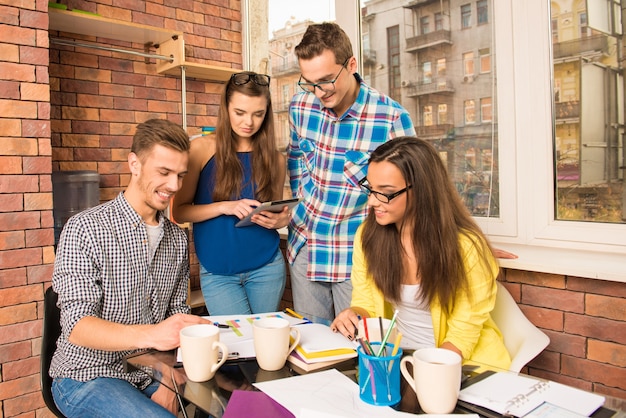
<point>420,252</point>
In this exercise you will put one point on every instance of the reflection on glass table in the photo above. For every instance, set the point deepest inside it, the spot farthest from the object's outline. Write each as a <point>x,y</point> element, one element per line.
<point>212,396</point>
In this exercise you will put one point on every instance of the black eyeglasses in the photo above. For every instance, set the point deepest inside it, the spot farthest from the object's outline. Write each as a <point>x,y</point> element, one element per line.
<point>325,86</point>
<point>382,197</point>
<point>240,79</point>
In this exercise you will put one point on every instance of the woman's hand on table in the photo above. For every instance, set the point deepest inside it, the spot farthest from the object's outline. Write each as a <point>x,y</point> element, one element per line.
<point>347,323</point>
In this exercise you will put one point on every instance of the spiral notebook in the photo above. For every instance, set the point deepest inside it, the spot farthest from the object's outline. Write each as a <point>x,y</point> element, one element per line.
<point>516,395</point>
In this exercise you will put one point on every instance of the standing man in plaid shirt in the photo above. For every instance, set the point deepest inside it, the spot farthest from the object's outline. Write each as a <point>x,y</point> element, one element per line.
<point>336,122</point>
<point>121,272</point>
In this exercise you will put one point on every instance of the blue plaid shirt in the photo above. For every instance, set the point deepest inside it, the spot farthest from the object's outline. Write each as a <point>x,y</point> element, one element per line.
<point>327,156</point>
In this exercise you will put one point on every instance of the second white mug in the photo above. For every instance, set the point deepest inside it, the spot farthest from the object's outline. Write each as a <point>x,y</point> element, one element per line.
<point>271,342</point>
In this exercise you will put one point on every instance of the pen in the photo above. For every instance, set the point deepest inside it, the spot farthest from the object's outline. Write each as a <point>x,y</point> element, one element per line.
<point>384,341</point>
<point>217,324</point>
<point>293,313</point>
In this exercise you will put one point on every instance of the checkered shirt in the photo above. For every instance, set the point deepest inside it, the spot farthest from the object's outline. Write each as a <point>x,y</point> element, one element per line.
<point>104,268</point>
<point>327,156</point>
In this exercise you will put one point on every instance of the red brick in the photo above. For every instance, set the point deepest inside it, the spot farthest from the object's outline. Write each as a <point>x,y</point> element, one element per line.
<point>116,141</point>
<point>114,64</point>
<point>10,165</point>
<point>606,307</point>
<point>17,109</point>
<point>9,15</point>
<point>599,287</point>
<point>11,203</point>
<point>17,35</point>
<point>11,240</point>
<point>113,115</point>
<point>79,86</point>
<point>20,332</point>
<point>553,298</point>
<point>80,140</point>
<point>90,100</point>
<point>20,294</point>
<point>39,237</point>
<point>29,401</point>
<point>33,19</point>
<point>163,107</point>
<point>117,90</point>
<point>67,166</point>
<point>9,89</point>
<point>128,79</point>
<point>18,313</point>
<point>564,379</point>
<point>113,167</point>
<point>92,154</point>
<point>547,361</point>
<point>17,369</point>
<point>12,278</point>
<point>15,351</point>
<point>598,328</point>
<point>35,92</point>
<point>122,128</point>
<point>11,127</point>
<point>34,55</point>
<point>544,318</point>
<point>119,155</point>
<point>80,113</point>
<point>37,165</point>
<point>37,201</point>
<point>607,352</point>
<point>36,128</point>
<point>90,127</point>
<point>19,146</point>
<point>20,258</point>
<point>19,220</point>
<point>617,402</point>
<point>592,371</point>
<point>41,273</point>
<point>574,345</point>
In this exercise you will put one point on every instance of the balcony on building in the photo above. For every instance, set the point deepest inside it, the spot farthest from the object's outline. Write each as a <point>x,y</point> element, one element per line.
<point>582,46</point>
<point>285,68</point>
<point>438,37</point>
<point>435,86</point>
<point>418,3</point>
<point>433,131</point>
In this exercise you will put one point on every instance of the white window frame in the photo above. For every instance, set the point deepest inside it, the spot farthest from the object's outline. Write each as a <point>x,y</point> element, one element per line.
<point>526,225</point>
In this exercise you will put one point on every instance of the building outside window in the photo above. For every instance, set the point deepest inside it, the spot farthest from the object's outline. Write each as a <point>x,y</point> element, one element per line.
<point>469,110</point>
<point>466,16</point>
<point>485,110</point>
<point>425,24</point>
<point>485,60</point>
<point>428,115</point>
<point>482,12</point>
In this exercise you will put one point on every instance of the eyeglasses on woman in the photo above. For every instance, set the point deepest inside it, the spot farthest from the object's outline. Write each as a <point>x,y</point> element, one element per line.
<point>239,79</point>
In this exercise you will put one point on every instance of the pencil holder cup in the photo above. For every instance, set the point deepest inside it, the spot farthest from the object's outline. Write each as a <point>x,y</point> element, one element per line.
<point>379,377</point>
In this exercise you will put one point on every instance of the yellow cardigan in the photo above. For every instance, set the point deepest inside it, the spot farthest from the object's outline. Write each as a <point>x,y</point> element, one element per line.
<point>469,327</point>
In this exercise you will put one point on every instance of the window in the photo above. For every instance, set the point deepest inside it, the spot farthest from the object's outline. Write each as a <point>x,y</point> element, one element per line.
<point>485,60</point>
<point>466,16</point>
<point>482,12</point>
<point>425,24</point>
<point>485,109</point>
<point>528,106</point>
<point>468,64</point>
<point>469,109</point>
<point>428,115</point>
<point>427,73</point>
<point>442,114</point>
<point>438,21</point>
<point>393,46</point>
<point>441,67</point>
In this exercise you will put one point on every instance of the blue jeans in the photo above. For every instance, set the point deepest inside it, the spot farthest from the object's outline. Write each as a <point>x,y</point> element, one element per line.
<point>317,301</point>
<point>246,293</point>
<point>105,397</point>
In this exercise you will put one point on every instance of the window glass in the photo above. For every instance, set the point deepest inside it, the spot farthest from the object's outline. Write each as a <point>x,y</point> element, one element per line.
<point>440,85</point>
<point>482,12</point>
<point>588,113</point>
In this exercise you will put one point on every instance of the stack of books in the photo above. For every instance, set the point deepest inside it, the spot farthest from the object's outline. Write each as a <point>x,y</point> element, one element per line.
<point>320,348</point>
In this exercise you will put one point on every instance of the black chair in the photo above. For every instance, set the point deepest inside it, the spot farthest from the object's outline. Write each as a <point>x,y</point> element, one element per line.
<point>51,332</point>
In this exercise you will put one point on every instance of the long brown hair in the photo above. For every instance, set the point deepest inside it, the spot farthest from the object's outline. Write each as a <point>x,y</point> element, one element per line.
<point>229,171</point>
<point>438,218</point>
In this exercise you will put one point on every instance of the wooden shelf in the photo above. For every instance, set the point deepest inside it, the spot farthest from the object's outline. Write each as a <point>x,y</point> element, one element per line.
<point>168,42</point>
<point>102,27</point>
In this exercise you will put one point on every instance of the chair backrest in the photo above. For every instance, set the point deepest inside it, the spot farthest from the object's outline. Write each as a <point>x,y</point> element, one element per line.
<point>522,338</point>
<point>51,332</point>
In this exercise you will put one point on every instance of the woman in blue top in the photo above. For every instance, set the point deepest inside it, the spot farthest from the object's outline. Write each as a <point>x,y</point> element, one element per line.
<point>242,270</point>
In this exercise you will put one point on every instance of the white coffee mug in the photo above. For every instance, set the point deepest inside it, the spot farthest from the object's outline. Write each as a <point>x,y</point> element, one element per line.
<point>436,378</point>
<point>199,346</point>
<point>271,342</point>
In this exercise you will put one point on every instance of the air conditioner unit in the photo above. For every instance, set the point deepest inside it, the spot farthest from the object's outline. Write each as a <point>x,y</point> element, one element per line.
<point>405,83</point>
<point>468,78</point>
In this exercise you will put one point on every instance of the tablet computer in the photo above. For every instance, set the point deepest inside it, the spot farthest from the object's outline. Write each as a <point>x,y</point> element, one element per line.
<point>274,206</point>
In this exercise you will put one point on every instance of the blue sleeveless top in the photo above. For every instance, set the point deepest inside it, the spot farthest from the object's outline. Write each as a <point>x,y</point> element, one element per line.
<point>220,246</point>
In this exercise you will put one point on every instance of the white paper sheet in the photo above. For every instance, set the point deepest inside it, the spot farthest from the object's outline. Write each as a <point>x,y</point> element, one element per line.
<point>328,394</point>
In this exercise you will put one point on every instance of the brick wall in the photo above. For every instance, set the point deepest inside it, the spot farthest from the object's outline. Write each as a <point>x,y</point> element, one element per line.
<point>586,322</point>
<point>67,108</point>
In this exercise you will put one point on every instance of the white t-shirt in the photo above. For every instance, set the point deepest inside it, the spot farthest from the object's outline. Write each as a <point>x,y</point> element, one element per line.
<point>414,319</point>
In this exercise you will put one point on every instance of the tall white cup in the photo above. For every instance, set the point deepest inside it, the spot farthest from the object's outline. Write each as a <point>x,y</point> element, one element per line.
<point>436,378</point>
<point>271,342</point>
<point>200,345</point>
